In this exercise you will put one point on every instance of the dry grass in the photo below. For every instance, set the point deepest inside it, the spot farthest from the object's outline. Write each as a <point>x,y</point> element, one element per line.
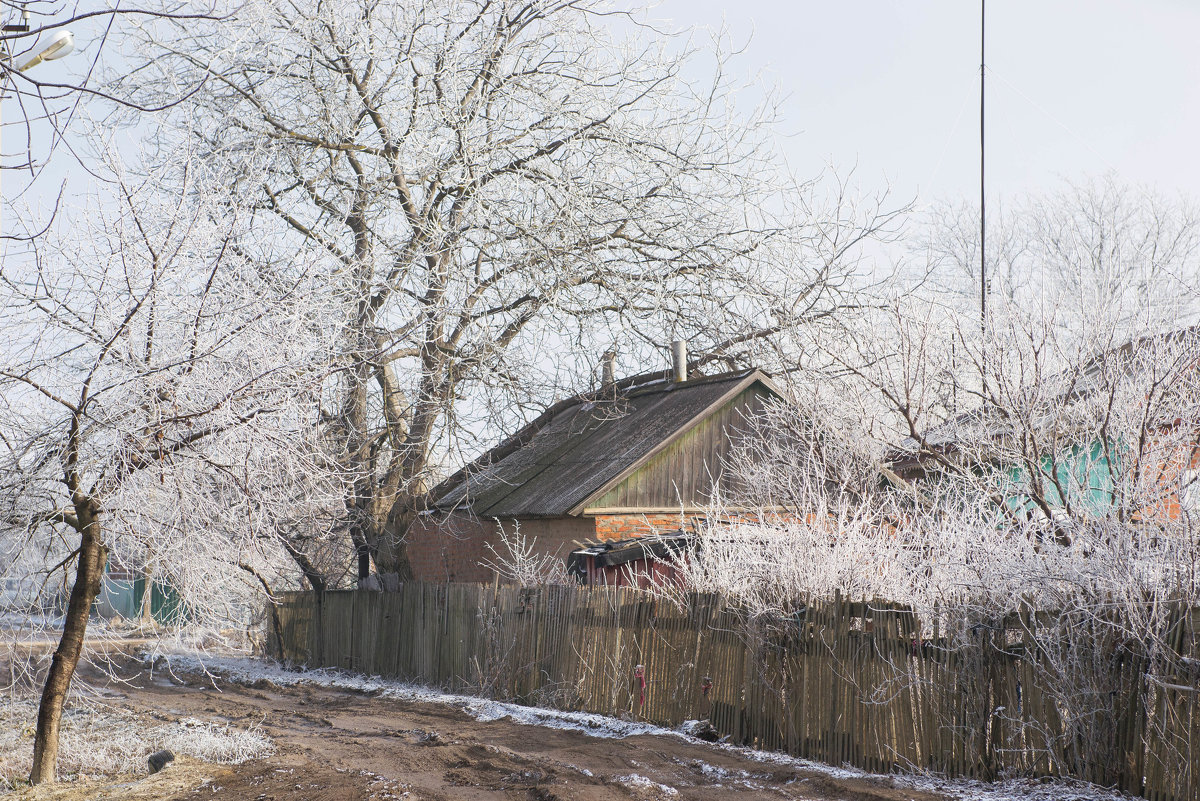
<point>183,775</point>
<point>99,740</point>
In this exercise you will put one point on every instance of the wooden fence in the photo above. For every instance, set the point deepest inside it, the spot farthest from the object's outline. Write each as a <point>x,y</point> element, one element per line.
<point>838,682</point>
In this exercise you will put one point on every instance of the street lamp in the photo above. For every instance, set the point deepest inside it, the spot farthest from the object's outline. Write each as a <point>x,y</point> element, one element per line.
<point>58,46</point>
<point>61,43</point>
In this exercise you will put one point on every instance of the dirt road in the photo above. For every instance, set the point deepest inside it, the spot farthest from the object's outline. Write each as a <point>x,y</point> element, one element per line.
<point>337,745</point>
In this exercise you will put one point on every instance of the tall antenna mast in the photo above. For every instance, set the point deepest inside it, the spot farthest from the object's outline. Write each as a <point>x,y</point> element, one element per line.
<point>983,283</point>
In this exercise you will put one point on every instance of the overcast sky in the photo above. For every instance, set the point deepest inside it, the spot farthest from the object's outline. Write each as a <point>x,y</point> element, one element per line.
<point>1075,88</point>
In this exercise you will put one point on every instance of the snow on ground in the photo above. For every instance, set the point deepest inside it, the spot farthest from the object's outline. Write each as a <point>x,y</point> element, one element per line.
<point>640,784</point>
<point>246,671</point>
<point>24,621</point>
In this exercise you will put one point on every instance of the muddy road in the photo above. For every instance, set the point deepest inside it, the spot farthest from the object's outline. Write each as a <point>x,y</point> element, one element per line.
<point>339,745</point>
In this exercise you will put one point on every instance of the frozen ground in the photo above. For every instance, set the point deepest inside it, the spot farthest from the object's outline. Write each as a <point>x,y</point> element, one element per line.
<point>330,735</point>
<point>245,671</point>
<point>99,739</point>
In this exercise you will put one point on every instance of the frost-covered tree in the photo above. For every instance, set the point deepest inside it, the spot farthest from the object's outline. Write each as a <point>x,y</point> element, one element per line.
<point>157,391</point>
<point>1058,506</point>
<point>1094,248</point>
<point>43,97</point>
<point>502,188</point>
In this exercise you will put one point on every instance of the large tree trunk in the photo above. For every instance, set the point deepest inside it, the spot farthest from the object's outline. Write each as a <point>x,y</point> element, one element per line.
<point>391,557</point>
<point>316,580</point>
<point>88,571</point>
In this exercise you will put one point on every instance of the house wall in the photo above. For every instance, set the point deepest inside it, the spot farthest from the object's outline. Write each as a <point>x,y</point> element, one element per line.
<point>455,547</point>
<point>449,548</point>
<point>557,535</point>
<point>1180,481</point>
<point>1167,489</point>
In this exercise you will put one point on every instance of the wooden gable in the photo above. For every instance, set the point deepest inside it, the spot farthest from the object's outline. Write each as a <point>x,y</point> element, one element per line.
<point>683,473</point>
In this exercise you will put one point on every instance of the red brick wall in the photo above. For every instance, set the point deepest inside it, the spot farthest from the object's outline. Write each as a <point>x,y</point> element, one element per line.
<point>454,547</point>
<point>555,535</point>
<point>1168,507</point>
<point>622,527</point>
<point>625,526</point>
<point>449,548</point>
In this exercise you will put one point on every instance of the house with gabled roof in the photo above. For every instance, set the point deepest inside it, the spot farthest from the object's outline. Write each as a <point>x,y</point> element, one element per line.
<point>640,456</point>
<point>1055,455</point>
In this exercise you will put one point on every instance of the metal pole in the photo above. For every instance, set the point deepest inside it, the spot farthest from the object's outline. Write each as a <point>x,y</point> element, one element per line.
<point>4,53</point>
<point>983,283</point>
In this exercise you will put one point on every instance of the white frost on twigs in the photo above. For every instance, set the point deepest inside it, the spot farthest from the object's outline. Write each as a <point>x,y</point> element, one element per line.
<point>101,739</point>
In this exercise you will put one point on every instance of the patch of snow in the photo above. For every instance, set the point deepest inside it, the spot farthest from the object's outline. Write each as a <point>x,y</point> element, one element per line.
<point>100,739</point>
<point>786,761</point>
<point>640,783</point>
<point>960,789</point>
<point>696,728</point>
<point>214,743</point>
<point>1013,789</point>
<point>714,774</point>
<point>29,621</point>
<point>245,671</point>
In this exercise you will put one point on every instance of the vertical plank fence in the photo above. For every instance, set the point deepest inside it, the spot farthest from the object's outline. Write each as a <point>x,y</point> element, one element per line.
<point>842,682</point>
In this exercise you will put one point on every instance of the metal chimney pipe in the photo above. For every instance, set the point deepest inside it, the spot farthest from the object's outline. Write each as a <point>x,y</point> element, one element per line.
<point>608,368</point>
<point>679,360</point>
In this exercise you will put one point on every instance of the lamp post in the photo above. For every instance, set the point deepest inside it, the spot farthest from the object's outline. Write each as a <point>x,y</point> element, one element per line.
<point>59,45</point>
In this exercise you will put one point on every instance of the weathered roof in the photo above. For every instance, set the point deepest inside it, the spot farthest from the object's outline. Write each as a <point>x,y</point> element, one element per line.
<point>580,447</point>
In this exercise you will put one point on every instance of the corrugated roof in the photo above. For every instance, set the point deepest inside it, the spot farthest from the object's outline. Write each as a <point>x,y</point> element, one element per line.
<point>579,446</point>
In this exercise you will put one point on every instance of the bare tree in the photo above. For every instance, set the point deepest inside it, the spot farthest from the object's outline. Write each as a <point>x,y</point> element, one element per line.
<point>1033,489</point>
<point>499,185</point>
<point>150,381</point>
<point>1097,247</point>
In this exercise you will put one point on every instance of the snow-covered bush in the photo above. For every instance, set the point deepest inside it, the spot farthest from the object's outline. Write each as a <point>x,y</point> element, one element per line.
<point>1052,521</point>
